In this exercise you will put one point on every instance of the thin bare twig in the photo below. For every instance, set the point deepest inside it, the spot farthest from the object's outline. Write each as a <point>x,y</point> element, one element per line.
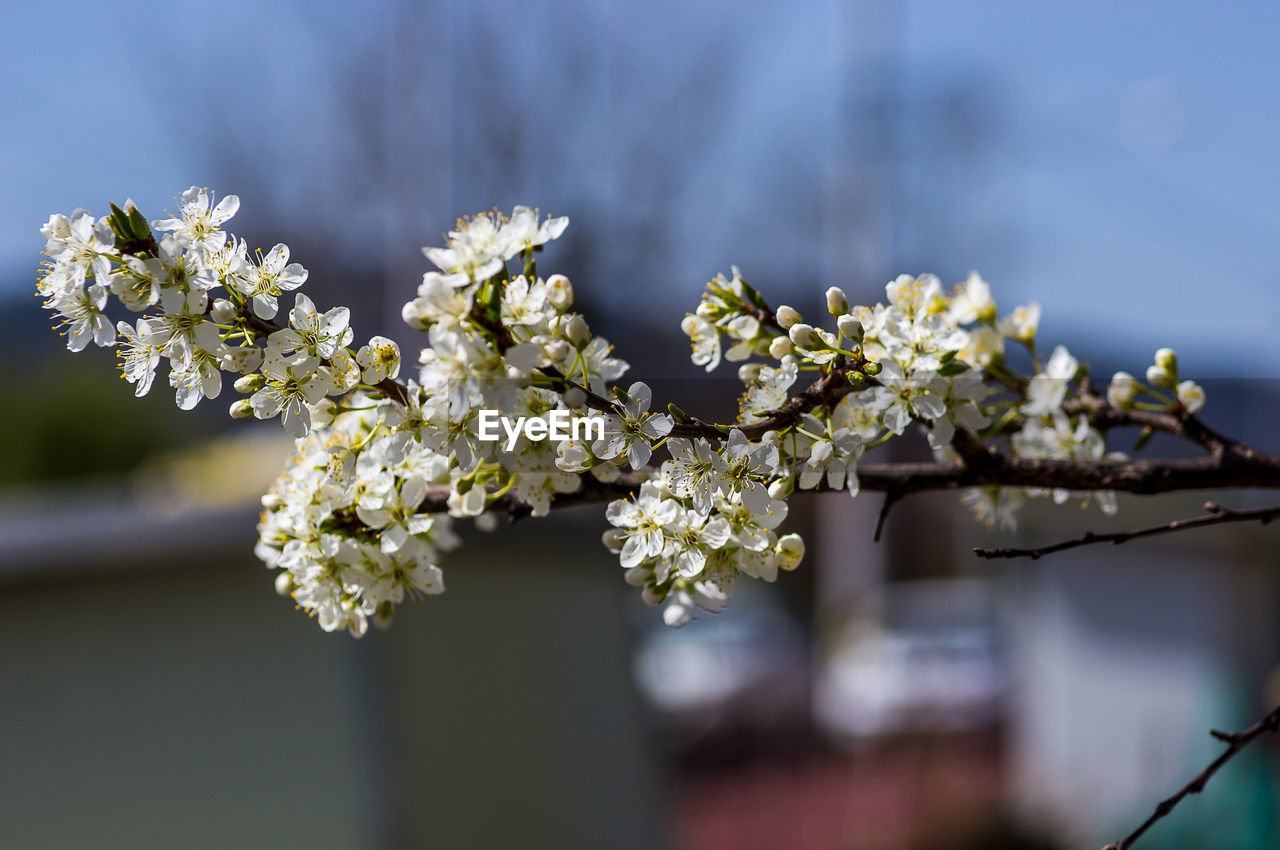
<point>1215,515</point>
<point>891,498</point>
<point>1236,742</point>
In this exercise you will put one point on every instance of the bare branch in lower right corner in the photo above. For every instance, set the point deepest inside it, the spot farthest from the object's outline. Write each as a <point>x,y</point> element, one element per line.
<point>1236,741</point>
<point>1215,514</point>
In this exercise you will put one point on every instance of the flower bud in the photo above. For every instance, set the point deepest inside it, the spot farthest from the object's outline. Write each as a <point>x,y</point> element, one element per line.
<point>804,336</point>
<point>780,489</point>
<point>284,583</point>
<point>242,409</point>
<point>1167,360</point>
<point>636,576</point>
<point>577,332</point>
<point>837,303</point>
<point>749,372</point>
<point>414,314</point>
<point>872,369</point>
<point>1121,390</point>
<point>790,551</point>
<point>780,347</point>
<point>787,317</point>
<point>383,616</point>
<point>1190,396</point>
<point>559,291</point>
<point>850,328</point>
<point>1160,378</point>
<point>651,595</point>
<point>250,383</point>
<point>556,350</point>
<point>223,311</point>
<point>709,310</point>
<point>574,397</point>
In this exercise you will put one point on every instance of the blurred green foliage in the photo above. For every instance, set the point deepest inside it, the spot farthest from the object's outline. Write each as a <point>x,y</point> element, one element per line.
<point>73,416</point>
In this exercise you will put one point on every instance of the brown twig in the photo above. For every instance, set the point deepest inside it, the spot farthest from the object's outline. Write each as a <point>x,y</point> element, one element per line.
<point>1236,742</point>
<point>1146,477</point>
<point>891,498</point>
<point>1181,424</point>
<point>1216,515</point>
<point>827,390</point>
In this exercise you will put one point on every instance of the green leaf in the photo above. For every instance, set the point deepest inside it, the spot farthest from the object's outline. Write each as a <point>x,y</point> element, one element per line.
<point>141,227</point>
<point>754,297</point>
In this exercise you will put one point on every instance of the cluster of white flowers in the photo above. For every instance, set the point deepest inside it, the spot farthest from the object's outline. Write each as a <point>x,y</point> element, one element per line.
<point>343,522</point>
<point>684,556</point>
<point>358,520</point>
<point>924,356</point>
<point>174,282</point>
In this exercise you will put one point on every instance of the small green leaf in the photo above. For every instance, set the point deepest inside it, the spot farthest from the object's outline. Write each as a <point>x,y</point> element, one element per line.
<point>754,297</point>
<point>141,227</point>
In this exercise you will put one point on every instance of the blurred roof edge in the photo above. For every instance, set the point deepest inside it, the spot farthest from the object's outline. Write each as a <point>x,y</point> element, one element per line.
<point>100,528</point>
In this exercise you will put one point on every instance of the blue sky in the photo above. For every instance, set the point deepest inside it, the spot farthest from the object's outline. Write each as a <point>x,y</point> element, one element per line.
<point>1122,171</point>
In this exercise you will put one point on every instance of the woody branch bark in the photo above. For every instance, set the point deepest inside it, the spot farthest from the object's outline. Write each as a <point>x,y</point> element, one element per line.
<point>1233,469</point>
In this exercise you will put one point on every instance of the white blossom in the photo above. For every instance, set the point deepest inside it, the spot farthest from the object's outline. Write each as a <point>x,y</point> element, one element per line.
<point>379,360</point>
<point>263,281</point>
<point>81,311</point>
<point>705,340</point>
<point>631,431</point>
<point>1046,390</point>
<point>197,225</point>
<point>292,384</point>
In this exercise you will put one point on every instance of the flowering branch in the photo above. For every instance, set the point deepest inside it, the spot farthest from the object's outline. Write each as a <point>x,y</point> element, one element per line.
<point>1236,741</point>
<point>360,517</point>
<point>1216,515</point>
<point>383,466</point>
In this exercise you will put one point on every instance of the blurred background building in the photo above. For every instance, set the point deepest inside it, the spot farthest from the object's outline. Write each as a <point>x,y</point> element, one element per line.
<point>1113,162</point>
